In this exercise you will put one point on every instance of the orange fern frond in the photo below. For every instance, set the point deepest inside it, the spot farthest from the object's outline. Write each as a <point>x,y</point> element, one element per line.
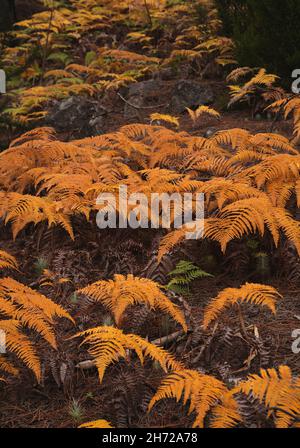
<point>108,344</point>
<point>24,209</point>
<point>96,424</point>
<point>7,367</point>
<point>195,114</point>
<point>163,117</point>
<point>250,292</point>
<point>279,392</point>
<point>20,344</point>
<point>30,308</point>
<point>7,261</point>
<point>123,291</point>
<point>205,394</point>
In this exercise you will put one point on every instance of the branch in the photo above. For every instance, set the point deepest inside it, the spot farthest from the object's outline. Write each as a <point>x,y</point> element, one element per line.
<point>90,363</point>
<point>140,107</point>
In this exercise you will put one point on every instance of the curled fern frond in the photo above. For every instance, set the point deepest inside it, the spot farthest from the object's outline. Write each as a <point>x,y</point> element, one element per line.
<point>279,392</point>
<point>20,345</point>
<point>96,424</point>
<point>207,395</point>
<point>108,344</point>
<point>124,291</point>
<point>7,261</point>
<point>262,295</point>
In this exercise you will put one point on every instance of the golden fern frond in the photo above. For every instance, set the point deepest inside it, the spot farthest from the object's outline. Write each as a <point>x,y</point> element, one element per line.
<point>24,209</point>
<point>175,237</point>
<point>248,216</point>
<point>238,73</point>
<point>163,117</point>
<point>240,94</point>
<point>245,156</point>
<point>188,54</point>
<point>277,105</point>
<point>215,165</point>
<point>289,226</point>
<point>7,261</point>
<point>57,74</point>
<point>195,114</point>
<point>236,138</point>
<point>59,186</point>
<point>284,166</point>
<point>108,344</point>
<point>262,78</point>
<point>129,55</point>
<point>20,344</point>
<point>41,133</point>
<point>228,190</point>
<point>263,295</point>
<point>137,130</point>
<point>226,414</point>
<point>279,392</point>
<point>169,154</point>
<point>7,367</point>
<point>31,308</point>
<point>244,217</point>
<point>280,192</point>
<point>204,392</point>
<point>292,105</point>
<point>124,291</point>
<point>96,424</point>
<point>274,141</point>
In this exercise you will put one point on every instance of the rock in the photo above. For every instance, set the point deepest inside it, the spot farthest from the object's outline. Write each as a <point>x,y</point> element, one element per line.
<point>145,88</point>
<point>140,94</point>
<point>190,94</point>
<point>97,124</point>
<point>133,112</point>
<point>77,113</point>
<point>209,133</point>
<point>165,74</point>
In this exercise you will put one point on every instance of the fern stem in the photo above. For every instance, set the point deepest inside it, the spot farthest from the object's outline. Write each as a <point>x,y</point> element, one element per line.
<point>46,47</point>
<point>148,13</point>
<point>242,321</point>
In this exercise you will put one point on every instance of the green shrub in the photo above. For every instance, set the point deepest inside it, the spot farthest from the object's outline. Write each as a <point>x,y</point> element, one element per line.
<point>266,33</point>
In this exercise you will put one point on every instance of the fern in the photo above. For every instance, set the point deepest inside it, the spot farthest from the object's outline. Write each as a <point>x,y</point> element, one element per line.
<point>163,117</point>
<point>23,209</point>
<point>207,395</point>
<point>290,106</point>
<point>202,110</point>
<point>123,291</point>
<point>20,345</point>
<point>279,392</point>
<point>257,85</point>
<point>97,424</point>
<point>183,275</point>
<point>108,344</point>
<point>7,261</point>
<point>26,308</point>
<point>250,292</point>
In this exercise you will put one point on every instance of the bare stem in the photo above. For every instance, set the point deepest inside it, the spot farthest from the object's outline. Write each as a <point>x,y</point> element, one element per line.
<point>46,47</point>
<point>148,13</point>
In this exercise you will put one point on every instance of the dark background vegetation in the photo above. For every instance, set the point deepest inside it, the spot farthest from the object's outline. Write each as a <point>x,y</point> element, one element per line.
<point>266,33</point>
